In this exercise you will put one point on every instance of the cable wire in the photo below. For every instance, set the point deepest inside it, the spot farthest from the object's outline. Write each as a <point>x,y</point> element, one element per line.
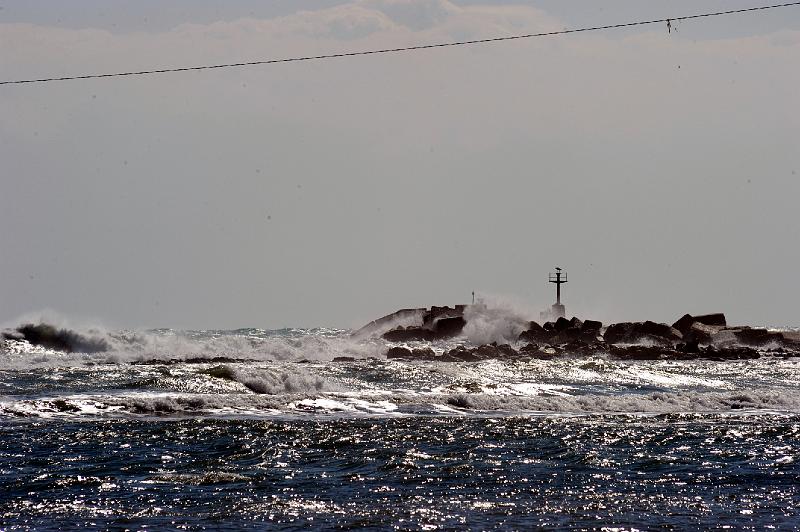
<point>668,21</point>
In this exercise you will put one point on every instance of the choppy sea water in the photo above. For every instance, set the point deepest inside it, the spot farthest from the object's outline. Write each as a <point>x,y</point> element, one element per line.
<point>257,429</point>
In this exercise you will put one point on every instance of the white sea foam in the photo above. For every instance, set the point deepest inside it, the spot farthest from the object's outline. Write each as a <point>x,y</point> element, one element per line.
<point>289,373</point>
<point>273,382</point>
<point>652,403</point>
<point>494,321</point>
<point>171,346</point>
<point>408,403</point>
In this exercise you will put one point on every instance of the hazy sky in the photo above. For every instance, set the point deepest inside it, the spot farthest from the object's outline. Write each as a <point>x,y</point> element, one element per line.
<point>662,171</point>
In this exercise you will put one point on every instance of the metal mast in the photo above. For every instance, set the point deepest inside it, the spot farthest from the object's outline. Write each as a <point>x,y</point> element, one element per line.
<point>558,278</point>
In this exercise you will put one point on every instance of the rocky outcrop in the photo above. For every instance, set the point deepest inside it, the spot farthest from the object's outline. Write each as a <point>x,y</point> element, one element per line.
<point>411,354</point>
<point>438,323</point>
<point>579,331</point>
<point>484,352</point>
<point>622,352</point>
<point>706,336</point>
<point>409,334</point>
<point>458,354</point>
<point>643,352</point>
<point>686,321</point>
<point>536,334</point>
<point>439,330</point>
<point>436,314</point>
<point>701,333</point>
<point>643,331</point>
<point>562,331</point>
<point>449,327</point>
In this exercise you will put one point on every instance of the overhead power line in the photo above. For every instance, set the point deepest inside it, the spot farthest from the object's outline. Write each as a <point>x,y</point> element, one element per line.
<point>668,21</point>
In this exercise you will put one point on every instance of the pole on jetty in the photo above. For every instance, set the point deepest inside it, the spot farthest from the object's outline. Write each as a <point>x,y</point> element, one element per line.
<point>558,278</point>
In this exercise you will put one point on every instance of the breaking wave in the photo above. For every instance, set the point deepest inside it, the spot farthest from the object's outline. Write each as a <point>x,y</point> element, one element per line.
<point>652,403</point>
<point>270,404</point>
<point>54,340</point>
<point>271,382</point>
<point>169,346</point>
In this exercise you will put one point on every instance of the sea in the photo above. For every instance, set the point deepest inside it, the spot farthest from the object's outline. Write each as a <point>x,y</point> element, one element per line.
<point>314,429</point>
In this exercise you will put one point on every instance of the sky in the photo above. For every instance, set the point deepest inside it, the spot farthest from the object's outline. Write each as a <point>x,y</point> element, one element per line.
<point>660,170</point>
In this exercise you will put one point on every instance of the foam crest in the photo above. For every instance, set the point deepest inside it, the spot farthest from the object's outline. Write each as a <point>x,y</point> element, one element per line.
<point>689,402</point>
<point>543,402</point>
<point>264,381</point>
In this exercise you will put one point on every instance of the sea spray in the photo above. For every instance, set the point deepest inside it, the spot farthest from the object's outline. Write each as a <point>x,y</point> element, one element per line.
<point>171,346</point>
<point>494,321</point>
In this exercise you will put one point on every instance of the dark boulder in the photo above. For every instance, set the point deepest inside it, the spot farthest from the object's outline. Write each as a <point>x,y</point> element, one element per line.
<point>635,332</point>
<point>562,324</point>
<point>459,354</point>
<point>590,331</point>
<point>618,333</point>
<point>398,352</point>
<point>449,327</point>
<point>437,313</point>
<point>484,352</point>
<point>592,326</point>
<point>440,323</point>
<point>410,354</point>
<point>443,329</point>
<point>578,331</point>
<point>710,352</point>
<point>568,336</point>
<point>535,327</point>
<point>535,334</point>
<point>717,320</point>
<point>409,334</point>
<point>660,330</point>
<point>700,333</point>
<point>414,320</point>
<point>497,351</point>
<point>535,351</point>
<point>686,321</point>
<point>690,347</point>
<point>581,348</point>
